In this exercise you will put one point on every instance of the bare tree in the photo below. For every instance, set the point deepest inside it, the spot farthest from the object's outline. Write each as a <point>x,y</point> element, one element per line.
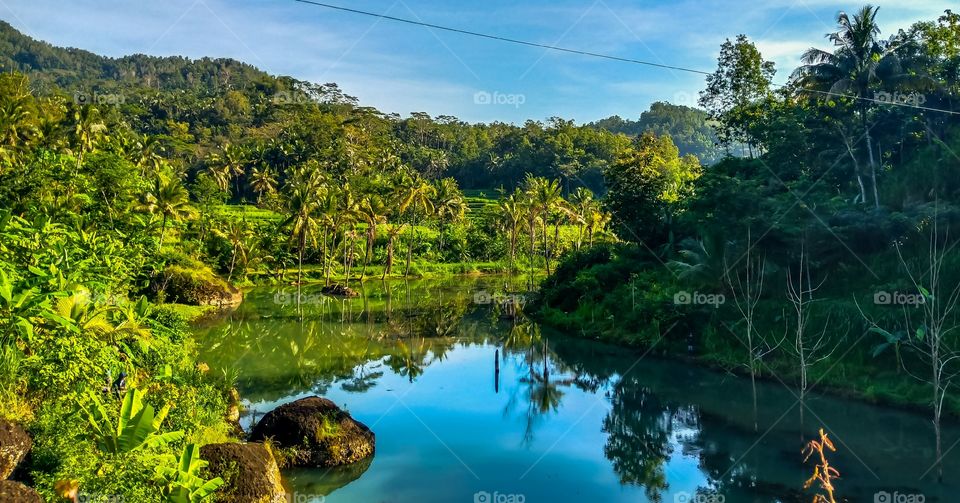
<point>929,336</point>
<point>746,288</point>
<point>810,348</point>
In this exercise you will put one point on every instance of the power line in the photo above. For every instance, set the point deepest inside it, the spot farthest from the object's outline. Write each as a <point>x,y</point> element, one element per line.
<point>599,55</point>
<point>503,39</point>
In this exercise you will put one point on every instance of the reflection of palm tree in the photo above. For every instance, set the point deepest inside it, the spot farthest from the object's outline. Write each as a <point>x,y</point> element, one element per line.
<point>638,442</point>
<point>408,360</point>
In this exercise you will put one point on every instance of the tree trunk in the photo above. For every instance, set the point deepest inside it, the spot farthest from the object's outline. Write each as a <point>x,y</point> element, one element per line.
<point>163,229</point>
<point>873,165</point>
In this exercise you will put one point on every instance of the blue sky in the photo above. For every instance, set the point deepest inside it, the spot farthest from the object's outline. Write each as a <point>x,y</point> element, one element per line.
<point>402,68</point>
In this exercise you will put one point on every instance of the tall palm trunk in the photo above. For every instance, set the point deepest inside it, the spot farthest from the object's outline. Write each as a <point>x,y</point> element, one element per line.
<point>163,230</point>
<point>326,262</point>
<point>873,165</point>
<point>546,252</point>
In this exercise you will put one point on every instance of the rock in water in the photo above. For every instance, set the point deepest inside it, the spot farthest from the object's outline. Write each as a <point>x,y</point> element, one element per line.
<point>15,492</point>
<point>339,291</point>
<point>249,470</point>
<point>14,446</point>
<point>315,432</point>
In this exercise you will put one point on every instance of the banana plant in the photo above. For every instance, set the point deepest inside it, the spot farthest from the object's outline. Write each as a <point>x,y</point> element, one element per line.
<point>182,482</point>
<point>137,427</point>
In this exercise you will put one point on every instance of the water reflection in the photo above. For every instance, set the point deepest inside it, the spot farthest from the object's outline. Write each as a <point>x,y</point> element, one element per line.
<point>564,417</point>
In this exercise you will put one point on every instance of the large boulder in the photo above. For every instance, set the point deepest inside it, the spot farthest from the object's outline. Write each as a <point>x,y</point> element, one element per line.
<point>198,286</point>
<point>14,446</point>
<point>314,432</point>
<point>249,470</point>
<point>15,492</point>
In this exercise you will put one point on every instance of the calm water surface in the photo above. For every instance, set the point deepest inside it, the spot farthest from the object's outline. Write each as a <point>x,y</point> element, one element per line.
<point>561,420</point>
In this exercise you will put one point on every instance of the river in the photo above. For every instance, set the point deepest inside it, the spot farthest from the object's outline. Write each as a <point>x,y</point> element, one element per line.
<point>468,405</point>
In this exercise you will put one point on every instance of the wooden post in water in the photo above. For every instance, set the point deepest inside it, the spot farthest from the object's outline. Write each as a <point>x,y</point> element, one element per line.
<point>496,371</point>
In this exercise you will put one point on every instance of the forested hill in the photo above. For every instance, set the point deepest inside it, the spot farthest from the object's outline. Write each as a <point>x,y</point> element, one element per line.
<point>79,70</point>
<point>196,107</point>
<point>688,127</point>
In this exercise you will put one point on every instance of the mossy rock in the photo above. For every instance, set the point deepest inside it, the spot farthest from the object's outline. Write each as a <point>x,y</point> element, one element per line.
<point>249,470</point>
<point>198,286</point>
<point>338,290</point>
<point>15,444</point>
<point>314,432</point>
<point>15,492</point>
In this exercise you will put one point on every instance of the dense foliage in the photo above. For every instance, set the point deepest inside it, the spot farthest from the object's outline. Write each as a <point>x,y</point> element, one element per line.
<point>826,256</point>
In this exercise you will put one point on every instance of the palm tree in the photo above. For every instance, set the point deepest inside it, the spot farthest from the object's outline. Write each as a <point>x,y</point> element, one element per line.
<point>262,181</point>
<point>372,211</point>
<point>582,204</point>
<point>545,198</point>
<point>238,233</point>
<point>345,219</point>
<point>510,211</point>
<point>304,193</point>
<point>448,203</point>
<point>16,126</point>
<point>171,200</point>
<point>229,163</point>
<point>597,221</point>
<point>417,201</point>
<point>858,65</point>
<point>88,129</point>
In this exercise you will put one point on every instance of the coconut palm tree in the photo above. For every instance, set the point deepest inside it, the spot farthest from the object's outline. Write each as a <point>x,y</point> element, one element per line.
<point>88,129</point>
<point>303,197</point>
<point>597,221</point>
<point>238,233</point>
<point>171,200</point>
<point>448,203</point>
<point>545,198</point>
<point>583,204</point>
<point>372,211</point>
<point>510,213</point>
<point>262,181</point>
<point>417,202</point>
<point>229,163</point>
<point>860,63</point>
